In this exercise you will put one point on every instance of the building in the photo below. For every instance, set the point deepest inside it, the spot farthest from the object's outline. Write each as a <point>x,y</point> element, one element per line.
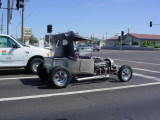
<point>134,39</point>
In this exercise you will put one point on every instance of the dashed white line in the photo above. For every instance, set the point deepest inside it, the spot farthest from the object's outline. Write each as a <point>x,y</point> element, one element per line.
<point>137,62</point>
<point>146,76</point>
<point>77,92</point>
<point>146,70</point>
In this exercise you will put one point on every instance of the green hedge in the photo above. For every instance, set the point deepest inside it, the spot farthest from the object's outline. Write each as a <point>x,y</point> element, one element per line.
<point>157,47</point>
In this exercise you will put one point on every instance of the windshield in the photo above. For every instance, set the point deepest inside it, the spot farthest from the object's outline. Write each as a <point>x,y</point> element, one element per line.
<point>19,41</point>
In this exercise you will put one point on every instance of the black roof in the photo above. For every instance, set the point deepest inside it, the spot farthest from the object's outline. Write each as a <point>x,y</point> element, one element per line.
<point>68,50</point>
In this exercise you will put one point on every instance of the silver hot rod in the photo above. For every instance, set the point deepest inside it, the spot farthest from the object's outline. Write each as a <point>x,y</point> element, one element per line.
<point>59,70</point>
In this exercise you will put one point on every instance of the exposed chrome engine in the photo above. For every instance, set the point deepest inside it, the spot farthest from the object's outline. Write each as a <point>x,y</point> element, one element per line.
<point>104,66</point>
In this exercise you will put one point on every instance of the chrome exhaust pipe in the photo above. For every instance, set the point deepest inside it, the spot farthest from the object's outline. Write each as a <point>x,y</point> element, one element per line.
<point>93,77</point>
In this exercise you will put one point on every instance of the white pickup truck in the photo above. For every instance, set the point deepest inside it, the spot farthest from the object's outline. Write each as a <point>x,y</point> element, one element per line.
<point>13,53</point>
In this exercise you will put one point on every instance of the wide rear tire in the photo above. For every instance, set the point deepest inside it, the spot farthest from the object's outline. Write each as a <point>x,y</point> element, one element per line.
<point>41,72</point>
<point>59,77</point>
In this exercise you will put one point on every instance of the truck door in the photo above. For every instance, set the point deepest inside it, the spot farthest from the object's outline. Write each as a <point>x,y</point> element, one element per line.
<point>11,53</point>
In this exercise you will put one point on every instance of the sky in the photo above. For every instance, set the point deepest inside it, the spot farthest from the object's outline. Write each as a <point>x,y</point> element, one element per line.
<point>87,17</point>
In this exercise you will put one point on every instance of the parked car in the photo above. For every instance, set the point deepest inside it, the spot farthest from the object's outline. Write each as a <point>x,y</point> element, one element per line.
<point>75,48</point>
<point>95,47</point>
<point>48,47</point>
<point>59,70</point>
<point>86,46</point>
<point>16,54</point>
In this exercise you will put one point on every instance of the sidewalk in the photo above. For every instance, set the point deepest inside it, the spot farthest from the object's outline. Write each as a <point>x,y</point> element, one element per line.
<point>130,48</point>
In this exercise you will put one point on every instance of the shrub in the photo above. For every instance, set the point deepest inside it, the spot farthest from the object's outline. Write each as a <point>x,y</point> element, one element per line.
<point>157,47</point>
<point>135,43</point>
<point>144,45</point>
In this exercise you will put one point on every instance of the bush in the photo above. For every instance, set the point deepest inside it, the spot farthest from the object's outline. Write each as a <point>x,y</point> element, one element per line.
<point>144,45</point>
<point>157,47</point>
<point>135,43</point>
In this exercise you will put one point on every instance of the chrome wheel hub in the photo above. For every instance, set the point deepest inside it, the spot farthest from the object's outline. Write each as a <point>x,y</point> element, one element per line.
<point>126,74</point>
<point>60,78</point>
<point>35,65</point>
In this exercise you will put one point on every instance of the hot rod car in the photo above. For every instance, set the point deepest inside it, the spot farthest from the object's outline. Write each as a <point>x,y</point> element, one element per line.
<point>66,63</point>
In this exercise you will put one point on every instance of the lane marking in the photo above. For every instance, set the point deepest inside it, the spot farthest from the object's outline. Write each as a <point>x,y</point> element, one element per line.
<point>16,78</point>
<point>142,69</point>
<point>137,62</point>
<point>77,92</point>
<point>146,70</point>
<point>146,76</point>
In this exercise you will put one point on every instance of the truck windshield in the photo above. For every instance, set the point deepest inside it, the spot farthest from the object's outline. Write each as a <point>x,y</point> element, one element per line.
<point>19,41</point>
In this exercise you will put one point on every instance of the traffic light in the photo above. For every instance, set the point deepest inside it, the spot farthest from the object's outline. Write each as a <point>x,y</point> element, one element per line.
<point>122,33</point>
<point>20,4</point>
<point>17,5</point>
<point>0,3</point>
<point>49,28</point>
<point>150,23</point>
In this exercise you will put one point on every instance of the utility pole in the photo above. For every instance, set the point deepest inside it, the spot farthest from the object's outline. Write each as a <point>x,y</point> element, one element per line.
<point>106,35</point>
<point>128,31</point>
<point>11,10</point>
<point>2,24</point>
<point>22,29</point>
<point>8,19</point>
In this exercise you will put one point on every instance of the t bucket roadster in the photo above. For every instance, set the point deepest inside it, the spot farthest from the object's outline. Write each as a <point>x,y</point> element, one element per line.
<point>66,63</point>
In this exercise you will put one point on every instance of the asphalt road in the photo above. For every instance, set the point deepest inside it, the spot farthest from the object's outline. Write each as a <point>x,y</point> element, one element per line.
<point>24,97</point>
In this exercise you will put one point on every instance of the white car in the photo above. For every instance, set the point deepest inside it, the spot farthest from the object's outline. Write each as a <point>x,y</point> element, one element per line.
<point>13,53</point>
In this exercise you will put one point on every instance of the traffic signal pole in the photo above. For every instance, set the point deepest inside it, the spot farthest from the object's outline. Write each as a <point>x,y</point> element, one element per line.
<point>22,29</point>
<point>122,34</point>
<point>121,43</point>
<point>49,40</point>
<point>49,30</point>
<point>8,19</point>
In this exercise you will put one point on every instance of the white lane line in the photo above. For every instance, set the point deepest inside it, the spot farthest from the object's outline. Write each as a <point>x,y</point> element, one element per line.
<point>77,92</point>
<point>17,78</point>
<point>137,62</point>
<point>146,70</point>
<point>146,76</point>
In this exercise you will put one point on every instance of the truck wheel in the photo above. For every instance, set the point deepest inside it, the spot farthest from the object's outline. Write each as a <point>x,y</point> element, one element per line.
<point>41,72</point>
<point>59,77</point>
<point>34,64</point>
<point>125,73</point>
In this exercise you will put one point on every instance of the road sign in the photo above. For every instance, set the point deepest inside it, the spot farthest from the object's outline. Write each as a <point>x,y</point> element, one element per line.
<point>27,32</point>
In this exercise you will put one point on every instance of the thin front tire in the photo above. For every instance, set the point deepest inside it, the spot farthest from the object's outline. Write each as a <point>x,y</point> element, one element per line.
<point>125,73</point>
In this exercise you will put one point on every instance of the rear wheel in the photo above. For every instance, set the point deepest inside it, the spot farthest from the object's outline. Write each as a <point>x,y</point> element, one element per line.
<point>59,77</point>
<point>41,72</point>
<point>125,73</point>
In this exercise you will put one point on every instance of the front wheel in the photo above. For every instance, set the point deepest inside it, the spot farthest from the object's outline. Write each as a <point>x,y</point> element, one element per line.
<point>59,77</point>
<point>125,73</point>
<point>33,65</point>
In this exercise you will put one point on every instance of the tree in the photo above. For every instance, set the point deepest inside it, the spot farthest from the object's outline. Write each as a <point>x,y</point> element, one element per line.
<point>20,39</point>
<point>33,40</point>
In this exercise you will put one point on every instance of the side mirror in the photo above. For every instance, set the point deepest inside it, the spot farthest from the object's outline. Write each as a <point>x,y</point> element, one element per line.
<point>16,46</point>
<point>65,42</point>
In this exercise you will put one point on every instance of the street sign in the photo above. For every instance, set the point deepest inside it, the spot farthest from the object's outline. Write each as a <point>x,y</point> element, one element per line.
<point>27,32</point>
